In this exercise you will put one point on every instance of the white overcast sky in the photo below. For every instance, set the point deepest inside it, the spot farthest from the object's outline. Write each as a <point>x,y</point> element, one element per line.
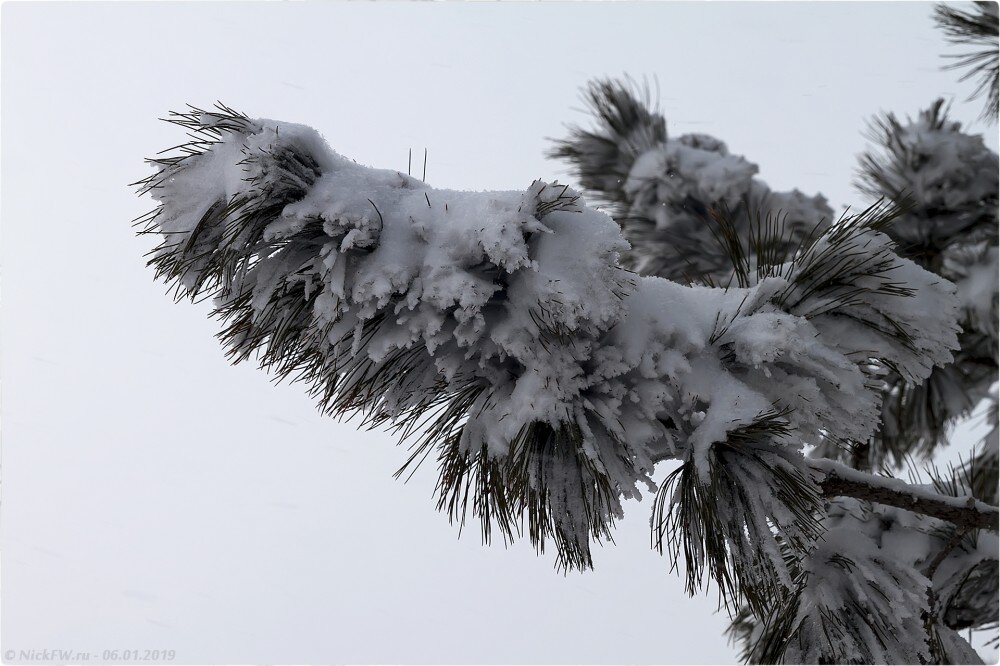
<point>156,498</point>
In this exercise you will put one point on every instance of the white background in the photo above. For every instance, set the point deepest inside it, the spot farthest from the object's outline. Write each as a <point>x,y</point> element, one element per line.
<point>155,497</point>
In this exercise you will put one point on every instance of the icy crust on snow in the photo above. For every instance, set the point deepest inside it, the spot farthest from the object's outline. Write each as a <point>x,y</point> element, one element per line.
<point>864,587</point>
<point>520,297</point>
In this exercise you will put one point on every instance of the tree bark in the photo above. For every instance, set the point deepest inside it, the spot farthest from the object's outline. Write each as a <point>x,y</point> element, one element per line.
<point>838,480</point>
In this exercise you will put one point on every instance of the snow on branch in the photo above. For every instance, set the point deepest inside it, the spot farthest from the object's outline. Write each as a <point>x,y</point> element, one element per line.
<point>498,332</point>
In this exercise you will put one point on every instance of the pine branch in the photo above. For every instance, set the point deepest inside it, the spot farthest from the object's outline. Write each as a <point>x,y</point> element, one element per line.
<point>954,566</point>
<point>947,180</point>
<point>628,125</point>
<point>838,480</point>
<point>661,189</point>
<point>672,209</point>
<point>502,331</point>
<point>725,525</point>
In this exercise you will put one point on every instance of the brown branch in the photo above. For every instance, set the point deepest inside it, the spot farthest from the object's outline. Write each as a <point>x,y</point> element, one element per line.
<point>838,480</point>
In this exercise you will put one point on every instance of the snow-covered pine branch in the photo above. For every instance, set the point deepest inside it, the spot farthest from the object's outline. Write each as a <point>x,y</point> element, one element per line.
<point>947,180</point>
<point>499,330</point>
<point>887,582</point>
<point>689,209</point>
<point>662,189</point>
<point>875,590</point>
<point>667,194</point>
